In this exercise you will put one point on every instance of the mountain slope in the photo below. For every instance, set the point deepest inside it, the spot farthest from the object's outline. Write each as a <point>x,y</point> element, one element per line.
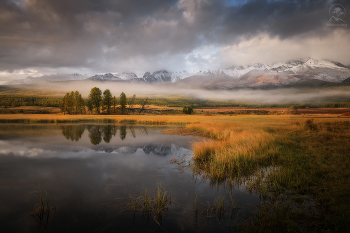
<point>277,75</point>
<point>161,76</point>
<point>105,77</point>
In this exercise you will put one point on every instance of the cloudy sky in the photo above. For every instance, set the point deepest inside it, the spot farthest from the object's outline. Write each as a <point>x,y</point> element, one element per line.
<point>98,36</point>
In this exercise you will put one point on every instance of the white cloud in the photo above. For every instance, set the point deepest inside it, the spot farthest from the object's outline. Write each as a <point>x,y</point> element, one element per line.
<point>266,49</point>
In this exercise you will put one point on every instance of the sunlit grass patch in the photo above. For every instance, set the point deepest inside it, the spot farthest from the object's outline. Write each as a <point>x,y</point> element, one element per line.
<point>234,152</point>
<point>312,157</point>
<point>122,119</point>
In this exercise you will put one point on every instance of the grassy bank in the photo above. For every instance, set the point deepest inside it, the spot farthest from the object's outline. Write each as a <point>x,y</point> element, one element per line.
<point>122,119</point>
<point>312,157</point>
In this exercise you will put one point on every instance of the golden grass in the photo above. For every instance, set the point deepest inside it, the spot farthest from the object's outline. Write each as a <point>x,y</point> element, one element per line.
<point>57,118</point>
<point>242,143</point>
<point>236,150</point>
<point>312,156</point>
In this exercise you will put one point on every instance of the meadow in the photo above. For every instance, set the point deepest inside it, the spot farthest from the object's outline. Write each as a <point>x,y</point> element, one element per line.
<point>288,160</point>
<point>299,164</point>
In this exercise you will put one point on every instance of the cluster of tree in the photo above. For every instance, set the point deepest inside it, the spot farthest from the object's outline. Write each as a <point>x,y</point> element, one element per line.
<point>98,102</point>
<point>107,103</point>
<point>187,110</point>
<point>73,103</point>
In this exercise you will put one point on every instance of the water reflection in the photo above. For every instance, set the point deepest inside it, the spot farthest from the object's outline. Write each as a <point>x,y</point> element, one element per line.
<point>157,149</point>
<point>97,132</point>
<point>107,133</point>
<point>73,132</point>
<point>90,171</point>
<point>83,140</point>
<point>122,132</point>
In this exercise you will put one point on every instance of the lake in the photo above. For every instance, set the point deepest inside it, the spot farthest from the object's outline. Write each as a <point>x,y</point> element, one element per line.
<point>110,178</point>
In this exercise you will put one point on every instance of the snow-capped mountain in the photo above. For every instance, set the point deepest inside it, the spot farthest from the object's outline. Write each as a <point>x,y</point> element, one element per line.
<point>160,76</point>
<point>289,67</point>
<point>323,70</point>
<point>238,71</point>
<point>277,75</point>
<point>105,77</point>
<point>126,75</point>
<point>300,66</point>
<point>78,76</point>
<point>258,74</point>
<point>178,75</point>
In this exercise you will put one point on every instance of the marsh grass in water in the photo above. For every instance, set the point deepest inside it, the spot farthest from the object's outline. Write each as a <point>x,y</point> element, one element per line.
<point>148,203</point>
<point>154,204</point>
<point>309,163</point>
<point>223,210</point>
<point>196,203</point>
<point>43,207</point>
<point>238,154</point>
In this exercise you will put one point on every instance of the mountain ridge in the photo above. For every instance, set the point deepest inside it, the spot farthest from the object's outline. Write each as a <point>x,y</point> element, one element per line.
<point>258,74</point>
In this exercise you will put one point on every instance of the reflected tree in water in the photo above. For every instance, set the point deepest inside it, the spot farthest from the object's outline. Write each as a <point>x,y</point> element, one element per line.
<point>73,132</point>
<point>144,130</point>
<point>114,130</point>
<point>95,134</point>
<point>122,132</point>
<point>132,132</point>
<point>107,133</point>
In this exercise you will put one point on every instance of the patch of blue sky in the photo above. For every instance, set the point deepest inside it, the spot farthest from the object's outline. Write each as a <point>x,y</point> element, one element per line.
<point>236,2</point>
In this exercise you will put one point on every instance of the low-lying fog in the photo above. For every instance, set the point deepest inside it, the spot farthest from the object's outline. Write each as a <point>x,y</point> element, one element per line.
<point>275,96</point>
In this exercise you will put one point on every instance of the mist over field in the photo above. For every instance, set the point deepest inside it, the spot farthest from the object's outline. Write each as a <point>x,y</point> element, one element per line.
<point>274,96</point>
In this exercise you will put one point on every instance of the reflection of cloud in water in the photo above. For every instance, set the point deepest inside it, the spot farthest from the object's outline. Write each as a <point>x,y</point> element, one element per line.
<point>75,135</point>
<point>127,150</point>
<point>29,150</point>
<point>149,149</point>
<point>17,150</point>
<point>106,132</point>
<point>157,149</point>
<point>85,141</point>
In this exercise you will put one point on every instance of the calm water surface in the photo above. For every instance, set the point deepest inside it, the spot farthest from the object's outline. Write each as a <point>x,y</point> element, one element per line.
<point>91,174</point>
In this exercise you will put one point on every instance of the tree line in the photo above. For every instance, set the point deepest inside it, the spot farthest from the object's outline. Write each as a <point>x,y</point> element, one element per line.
<point>98,103</point>
<point>17,101</point>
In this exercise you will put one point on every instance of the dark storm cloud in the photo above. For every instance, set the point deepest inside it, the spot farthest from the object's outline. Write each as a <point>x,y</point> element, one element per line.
<point>280,18</point>
<point>108,34</point>
<point>70,33</point>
